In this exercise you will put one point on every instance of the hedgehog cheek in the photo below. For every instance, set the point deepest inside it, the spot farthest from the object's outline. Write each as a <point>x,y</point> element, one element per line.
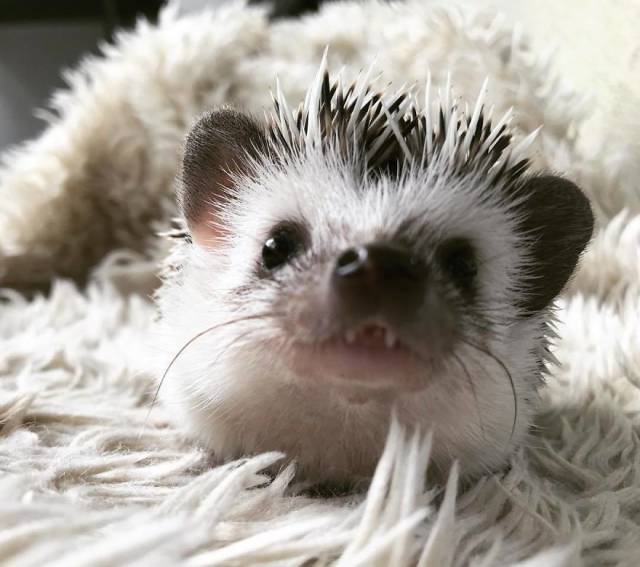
<point>557,224</point>
<point>218,150</point>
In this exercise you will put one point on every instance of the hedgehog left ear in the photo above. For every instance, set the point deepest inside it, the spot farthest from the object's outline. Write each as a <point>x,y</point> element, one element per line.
<point>217,149</point>
<point>557,223</point>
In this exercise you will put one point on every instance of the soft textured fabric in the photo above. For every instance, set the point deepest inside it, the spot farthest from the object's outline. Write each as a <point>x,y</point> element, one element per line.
<point>91,476</point>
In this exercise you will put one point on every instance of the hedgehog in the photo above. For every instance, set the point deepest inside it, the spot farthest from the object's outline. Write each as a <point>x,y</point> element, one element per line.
<point>360,259</point>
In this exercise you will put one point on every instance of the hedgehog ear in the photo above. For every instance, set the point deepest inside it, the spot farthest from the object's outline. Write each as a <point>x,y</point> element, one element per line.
<point>557,223</point>
<point>218,148</point>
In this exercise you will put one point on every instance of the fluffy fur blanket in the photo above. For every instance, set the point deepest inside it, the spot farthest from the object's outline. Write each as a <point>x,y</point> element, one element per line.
<point>90,477</point>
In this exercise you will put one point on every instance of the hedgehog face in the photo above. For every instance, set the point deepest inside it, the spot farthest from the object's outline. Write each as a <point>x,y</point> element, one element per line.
<point>374,283</point>
<point>360,256</point>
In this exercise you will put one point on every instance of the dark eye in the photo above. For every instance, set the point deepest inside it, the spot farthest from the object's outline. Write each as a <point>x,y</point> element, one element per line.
<point>283,244</point>
<point>458,259</point>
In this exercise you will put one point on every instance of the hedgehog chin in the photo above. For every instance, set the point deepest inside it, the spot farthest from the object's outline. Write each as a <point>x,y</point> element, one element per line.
<point>359,371</point>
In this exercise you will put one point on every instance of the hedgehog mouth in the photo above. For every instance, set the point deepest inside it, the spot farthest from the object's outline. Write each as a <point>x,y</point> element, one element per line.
<point>372,335</point>
<point>370,355</point>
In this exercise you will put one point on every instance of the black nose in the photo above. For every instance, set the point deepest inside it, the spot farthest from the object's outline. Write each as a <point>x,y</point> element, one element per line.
<point>379,278</point>
<point>377,262</point>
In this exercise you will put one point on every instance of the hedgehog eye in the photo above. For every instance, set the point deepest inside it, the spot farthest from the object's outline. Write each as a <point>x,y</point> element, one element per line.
<point>283,244</point>
<point>458,259</point>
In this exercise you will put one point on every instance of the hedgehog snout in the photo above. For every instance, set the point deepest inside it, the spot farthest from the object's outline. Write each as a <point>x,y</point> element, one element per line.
<point>378,279</point>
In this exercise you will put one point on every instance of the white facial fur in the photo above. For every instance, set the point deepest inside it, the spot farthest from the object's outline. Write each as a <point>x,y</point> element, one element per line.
<point>236,385</point>
<point>233,386</point>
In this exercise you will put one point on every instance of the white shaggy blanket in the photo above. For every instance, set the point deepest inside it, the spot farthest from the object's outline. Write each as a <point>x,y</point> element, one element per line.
<point>89,477</point>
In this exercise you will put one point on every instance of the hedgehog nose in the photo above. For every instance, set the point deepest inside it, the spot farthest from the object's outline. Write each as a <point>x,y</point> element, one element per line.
<point>379,279</point>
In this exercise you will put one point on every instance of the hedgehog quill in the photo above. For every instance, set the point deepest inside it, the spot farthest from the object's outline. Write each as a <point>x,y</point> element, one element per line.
<point>362,255</point>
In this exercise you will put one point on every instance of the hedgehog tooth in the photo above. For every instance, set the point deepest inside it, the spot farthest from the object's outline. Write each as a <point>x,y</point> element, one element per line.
<point>350,336</point>
<point>389,339</point>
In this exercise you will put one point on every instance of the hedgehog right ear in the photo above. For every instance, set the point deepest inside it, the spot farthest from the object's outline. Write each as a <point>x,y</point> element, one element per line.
<point>218,149</point>
<point>557,222</point>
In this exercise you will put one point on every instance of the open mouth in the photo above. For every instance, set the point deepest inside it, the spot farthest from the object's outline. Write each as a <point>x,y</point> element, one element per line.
<point>372,335</point>
<point>369,355</point>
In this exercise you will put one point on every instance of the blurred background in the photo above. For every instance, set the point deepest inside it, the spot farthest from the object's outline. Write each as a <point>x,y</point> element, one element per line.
<point>39,39</point>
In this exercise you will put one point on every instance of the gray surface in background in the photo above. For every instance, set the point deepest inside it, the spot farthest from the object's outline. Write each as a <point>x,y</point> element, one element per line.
<point>190,6</point>
<point>32,58</point>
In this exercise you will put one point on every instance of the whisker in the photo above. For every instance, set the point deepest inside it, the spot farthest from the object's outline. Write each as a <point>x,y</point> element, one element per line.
<point>473,391</point>
<point>250,334</point>
<point>194,339</point>
<point>507,373</point>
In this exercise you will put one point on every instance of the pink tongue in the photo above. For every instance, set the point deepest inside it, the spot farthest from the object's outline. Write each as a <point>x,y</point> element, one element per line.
<point>370,336</point>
